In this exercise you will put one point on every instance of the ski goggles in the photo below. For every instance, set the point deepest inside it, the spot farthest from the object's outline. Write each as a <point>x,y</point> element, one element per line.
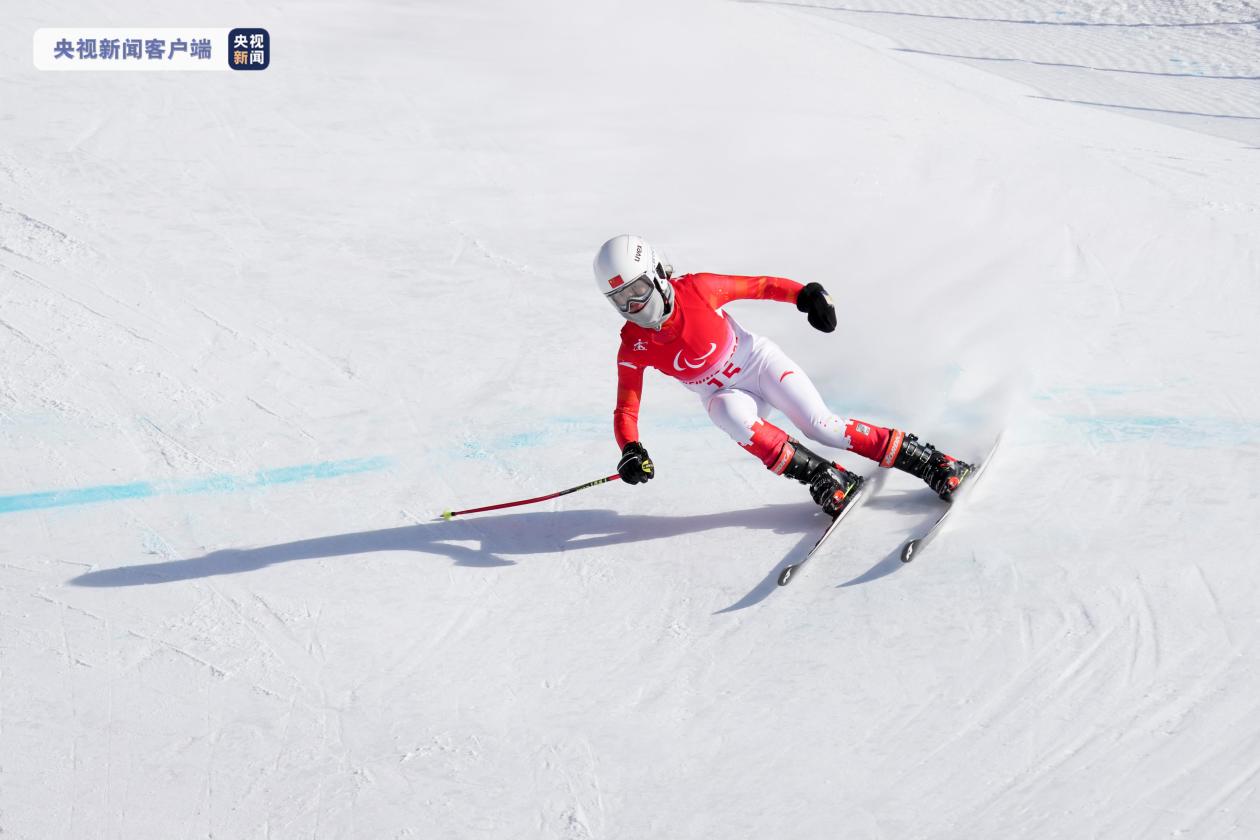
<point>634,295</point>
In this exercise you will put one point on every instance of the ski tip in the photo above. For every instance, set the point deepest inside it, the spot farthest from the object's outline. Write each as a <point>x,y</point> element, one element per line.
<point>446,514</point>
<point>907,553</point>
<point>786,575</point>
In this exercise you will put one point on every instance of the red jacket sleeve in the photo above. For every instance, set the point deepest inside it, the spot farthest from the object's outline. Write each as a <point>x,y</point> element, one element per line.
<point>720,289</point>
<point>629,390</point>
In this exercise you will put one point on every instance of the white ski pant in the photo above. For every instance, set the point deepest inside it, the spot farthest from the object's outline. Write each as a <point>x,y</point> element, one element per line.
<point>769,379</point>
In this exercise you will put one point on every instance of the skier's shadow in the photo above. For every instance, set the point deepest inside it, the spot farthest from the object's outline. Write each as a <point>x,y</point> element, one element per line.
<point>921,505</point>
<point>497,538</point>
<point>904,502</point>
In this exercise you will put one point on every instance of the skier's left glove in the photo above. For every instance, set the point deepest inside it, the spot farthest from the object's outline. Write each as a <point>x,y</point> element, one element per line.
<point>635,466</point>
<point>814,300</point>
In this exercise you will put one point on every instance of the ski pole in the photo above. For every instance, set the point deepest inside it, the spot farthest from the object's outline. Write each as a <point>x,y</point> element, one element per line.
<point>449,514</point>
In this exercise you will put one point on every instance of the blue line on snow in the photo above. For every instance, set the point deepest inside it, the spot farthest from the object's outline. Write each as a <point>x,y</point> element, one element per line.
<point>210,484</point>
<point>1184,432</point>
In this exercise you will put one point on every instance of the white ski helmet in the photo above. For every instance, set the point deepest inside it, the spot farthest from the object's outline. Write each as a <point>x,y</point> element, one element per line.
<point>634,277</point>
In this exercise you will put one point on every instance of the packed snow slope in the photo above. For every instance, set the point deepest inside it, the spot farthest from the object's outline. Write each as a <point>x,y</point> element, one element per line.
<point>258,329</point>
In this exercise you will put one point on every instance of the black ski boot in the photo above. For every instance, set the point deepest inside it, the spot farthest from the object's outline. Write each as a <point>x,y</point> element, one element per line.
<point>830,485</point>
<point>923,460</point>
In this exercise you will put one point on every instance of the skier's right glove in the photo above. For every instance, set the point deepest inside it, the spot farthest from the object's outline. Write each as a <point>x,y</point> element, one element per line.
<point>635,466</point>
<point>814,300</point>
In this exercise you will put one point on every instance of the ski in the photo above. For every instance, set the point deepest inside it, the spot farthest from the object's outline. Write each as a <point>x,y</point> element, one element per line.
<point>868,486</point>
<point>914,546</point>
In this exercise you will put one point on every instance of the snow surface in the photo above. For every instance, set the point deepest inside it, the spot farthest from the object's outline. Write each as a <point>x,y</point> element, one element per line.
<point>258,329</point>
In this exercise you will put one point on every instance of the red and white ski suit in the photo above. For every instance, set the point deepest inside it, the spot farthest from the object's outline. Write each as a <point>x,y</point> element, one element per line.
<point>739,376</point>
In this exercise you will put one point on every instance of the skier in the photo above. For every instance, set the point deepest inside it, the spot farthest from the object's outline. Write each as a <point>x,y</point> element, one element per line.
<point>673,325</point>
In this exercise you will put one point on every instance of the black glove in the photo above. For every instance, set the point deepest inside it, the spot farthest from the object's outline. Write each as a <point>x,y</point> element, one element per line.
<point>814,300</point>
<point>635,466</point>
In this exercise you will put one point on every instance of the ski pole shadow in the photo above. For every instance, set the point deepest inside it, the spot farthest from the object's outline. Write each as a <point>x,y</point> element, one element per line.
<point>497,539</point>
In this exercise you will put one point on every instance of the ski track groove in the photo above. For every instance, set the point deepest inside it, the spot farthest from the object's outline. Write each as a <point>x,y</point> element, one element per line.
<point>188,453</point>
<point>266,646</point>
<point>1224,794</point>
<point>161,644</point>
<point>1217,612</point>
<point>70,607</point>
<point>108,320</point>
<point>26,339</point>
<point>297,427</point>
<point>1020,688</point>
